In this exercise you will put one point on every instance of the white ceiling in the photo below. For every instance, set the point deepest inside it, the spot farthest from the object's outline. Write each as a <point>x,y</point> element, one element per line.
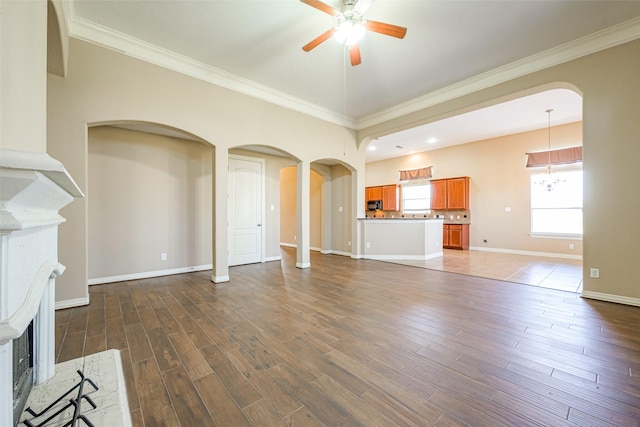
<point>520,115</point>
<point>255,47</point>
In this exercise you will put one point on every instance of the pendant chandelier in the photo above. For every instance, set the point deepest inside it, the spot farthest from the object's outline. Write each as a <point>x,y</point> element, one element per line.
<point>549,181</point>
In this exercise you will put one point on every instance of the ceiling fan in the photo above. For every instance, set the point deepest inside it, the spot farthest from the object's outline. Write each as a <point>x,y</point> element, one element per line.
<point>351,26</point>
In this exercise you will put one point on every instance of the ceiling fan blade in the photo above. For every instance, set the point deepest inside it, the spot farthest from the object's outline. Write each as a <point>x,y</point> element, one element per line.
<point>386,29</point>
<point>315,42</point>
<point>323,7</point>
<point>361,6</point>
<point>354,54</point>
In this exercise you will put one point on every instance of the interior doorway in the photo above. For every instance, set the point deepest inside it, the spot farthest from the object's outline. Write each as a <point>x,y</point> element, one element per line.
<point>246,212</point>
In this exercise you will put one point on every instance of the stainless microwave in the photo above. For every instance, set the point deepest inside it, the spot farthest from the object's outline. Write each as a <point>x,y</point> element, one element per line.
<point>374,205</point>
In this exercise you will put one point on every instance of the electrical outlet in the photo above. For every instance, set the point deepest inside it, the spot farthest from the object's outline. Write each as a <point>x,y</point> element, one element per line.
<point>340,209</point>
<point>572,246</point>
<point>163,256</point>
<point>368,245</point>
<point>349,243</point>
<point>595,273</point>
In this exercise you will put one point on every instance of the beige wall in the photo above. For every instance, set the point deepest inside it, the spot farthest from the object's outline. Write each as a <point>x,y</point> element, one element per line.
<point>341,197</point>
<point>609,83</point>
<point>103,87</point>
<point>288,186</point>
<point>499,179</point>
<point>331,218</point>
<point>23,80</point>
<point>288,198</point>
<point>150,194</point>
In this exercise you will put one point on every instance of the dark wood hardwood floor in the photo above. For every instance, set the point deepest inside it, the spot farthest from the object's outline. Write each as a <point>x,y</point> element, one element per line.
<point>359,342</point>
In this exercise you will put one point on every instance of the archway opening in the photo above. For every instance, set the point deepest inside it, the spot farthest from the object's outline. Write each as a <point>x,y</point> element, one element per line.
<point>489,145</point>
<point>149,202</point>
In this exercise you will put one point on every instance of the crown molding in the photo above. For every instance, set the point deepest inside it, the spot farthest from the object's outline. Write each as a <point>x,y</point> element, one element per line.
<point>96,34</point>
<point>93,33</point>
<point>592,43</point>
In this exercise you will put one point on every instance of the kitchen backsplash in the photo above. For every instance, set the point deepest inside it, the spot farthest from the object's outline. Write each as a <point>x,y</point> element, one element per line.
<point>449,217</point>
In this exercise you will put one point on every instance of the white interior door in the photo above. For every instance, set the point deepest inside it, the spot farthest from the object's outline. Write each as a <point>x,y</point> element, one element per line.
<point>246,188</point>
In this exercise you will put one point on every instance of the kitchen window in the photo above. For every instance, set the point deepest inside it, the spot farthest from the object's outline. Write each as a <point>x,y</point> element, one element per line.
<point>557,213</point>
<point>416,198</point>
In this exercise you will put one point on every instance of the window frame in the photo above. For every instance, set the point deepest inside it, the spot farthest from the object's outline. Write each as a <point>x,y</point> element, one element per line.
<point>558,171</point>
<point>416,183</point>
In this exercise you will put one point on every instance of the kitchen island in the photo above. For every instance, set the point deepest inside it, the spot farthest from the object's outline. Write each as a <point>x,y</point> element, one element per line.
<point>401,238</point>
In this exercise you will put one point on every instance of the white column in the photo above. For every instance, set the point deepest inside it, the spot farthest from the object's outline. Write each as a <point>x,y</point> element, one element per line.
<point>303,217</point>
<point>220,226</point>
<point>327,216</point>
<point>6,384</point>
<point>357,208</point>
<point>44,341</point>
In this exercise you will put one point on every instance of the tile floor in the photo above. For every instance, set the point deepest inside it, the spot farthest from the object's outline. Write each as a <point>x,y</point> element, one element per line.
<point>554,273</point>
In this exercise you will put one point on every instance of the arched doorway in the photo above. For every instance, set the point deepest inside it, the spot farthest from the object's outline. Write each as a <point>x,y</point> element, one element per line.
<point>502,209</point>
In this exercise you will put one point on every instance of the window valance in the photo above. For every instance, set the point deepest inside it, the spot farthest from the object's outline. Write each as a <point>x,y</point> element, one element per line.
<point>563,156</point>
<point>422,173</point>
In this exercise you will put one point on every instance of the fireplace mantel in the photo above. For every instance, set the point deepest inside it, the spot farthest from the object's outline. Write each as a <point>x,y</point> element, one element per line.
<point>33,188</point>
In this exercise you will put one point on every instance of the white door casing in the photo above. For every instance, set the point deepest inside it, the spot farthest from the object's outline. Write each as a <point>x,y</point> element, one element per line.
<point>246,213</point>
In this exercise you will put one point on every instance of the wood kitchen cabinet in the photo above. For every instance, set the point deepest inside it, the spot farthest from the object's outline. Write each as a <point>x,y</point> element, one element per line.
<point>391,197</point>
<point>438,194</point>
<point>450,193</point>
<point>455,236</point>
<point>372,193</point>
<point>389,194</point>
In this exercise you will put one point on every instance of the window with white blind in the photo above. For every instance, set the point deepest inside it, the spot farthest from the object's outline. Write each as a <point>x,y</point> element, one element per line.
<point>557,212</point>
<point>416,198</point>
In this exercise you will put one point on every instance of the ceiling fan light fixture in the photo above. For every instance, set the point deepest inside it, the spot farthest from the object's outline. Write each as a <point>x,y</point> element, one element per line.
<point>351,26</point>
<point>350,29</point>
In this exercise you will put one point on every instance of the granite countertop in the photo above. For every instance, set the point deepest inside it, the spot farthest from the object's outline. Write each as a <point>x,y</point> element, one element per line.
<point>422,218</point>
<point>404,218</point>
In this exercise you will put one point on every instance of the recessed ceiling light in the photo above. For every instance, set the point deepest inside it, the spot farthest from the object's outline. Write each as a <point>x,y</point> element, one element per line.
<point>371,148</point>
<point>432,140</point>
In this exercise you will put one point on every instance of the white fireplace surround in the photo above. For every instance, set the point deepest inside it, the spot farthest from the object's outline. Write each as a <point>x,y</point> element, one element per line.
<point>33,188</point>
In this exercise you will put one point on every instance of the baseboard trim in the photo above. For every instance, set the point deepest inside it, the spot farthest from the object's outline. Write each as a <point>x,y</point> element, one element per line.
<point>404,257</point>
<point>273,258</point>
<point>220,279</point>
<point>303,264</point>
<point>148,274</point>
<point>341,253</point>
<point>530,253</point>
<point>611,298</point>
<point>288,245</point>
<point>69,303</point>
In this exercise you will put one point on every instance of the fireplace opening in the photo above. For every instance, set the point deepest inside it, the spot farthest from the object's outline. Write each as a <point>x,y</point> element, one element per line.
<point>22,371</point>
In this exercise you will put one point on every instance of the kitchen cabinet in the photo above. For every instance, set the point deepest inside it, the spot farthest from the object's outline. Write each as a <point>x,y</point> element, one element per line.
<point>438,194</point>
<point>450,193</point>
<point>455,236</point>
<point>372,193</point>
<point>391,197</point>
<point>389,194</point>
